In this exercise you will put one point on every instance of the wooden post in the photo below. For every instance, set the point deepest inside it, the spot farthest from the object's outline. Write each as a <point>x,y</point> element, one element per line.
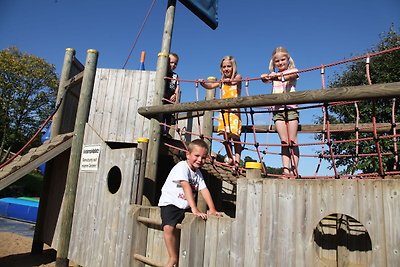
<point>74,160</point>
<point>207,118</point>
<point>207,132</point>
<point>143,146</point>
<point>37,243</point>
<point>253,170</point>
<point>65,75</point>
<point>162,64</point>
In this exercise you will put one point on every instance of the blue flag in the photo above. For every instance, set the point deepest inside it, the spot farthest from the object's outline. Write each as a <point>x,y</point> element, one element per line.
<point>206,10</point>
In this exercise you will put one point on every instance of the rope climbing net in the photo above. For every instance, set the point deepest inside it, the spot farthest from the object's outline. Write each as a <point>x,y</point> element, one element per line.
<point>344,148</point>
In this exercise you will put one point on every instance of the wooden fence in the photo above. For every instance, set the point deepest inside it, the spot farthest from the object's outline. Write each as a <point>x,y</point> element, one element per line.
<point>286,223</point>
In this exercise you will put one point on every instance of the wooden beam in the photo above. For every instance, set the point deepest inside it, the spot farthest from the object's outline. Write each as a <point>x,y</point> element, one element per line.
<point>154,131</point>
<point>147,260</point>
<point>33,161</point>
<point>74,161</point>
<point>363,92</point>
<point>318,128</point>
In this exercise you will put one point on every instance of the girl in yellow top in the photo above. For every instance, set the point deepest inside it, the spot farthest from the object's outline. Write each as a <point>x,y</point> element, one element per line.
<point>229,121</point>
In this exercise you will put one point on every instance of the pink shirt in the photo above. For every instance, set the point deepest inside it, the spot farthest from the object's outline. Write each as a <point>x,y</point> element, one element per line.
<point>279,87</point>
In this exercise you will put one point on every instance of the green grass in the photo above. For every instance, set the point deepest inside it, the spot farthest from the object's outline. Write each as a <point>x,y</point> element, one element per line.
<point>28,186</point>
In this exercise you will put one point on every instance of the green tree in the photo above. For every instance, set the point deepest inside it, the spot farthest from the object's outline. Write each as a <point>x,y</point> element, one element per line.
<point>384,68</point>
<point>28,86</point>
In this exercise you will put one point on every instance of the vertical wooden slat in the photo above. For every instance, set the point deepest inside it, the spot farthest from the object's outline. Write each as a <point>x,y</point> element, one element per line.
<point>224,242</point>
<point>211,239</point>
<point>139,235</point>
<point>237,258</point>
<point>253,223</point>
<point>391,210</point>
<point>128,114</point>
<point>156,249</point>
<point>192,241</point>
<point>117,104</point>
<point>108,104</point>
<point>100,98</point>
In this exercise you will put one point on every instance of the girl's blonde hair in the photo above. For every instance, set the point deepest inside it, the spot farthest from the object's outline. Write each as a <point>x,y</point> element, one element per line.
<point>284,51</point>
<point>234,66</point>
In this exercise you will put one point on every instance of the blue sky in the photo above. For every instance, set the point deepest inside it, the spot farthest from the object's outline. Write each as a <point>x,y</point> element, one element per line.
<point>315,32</point>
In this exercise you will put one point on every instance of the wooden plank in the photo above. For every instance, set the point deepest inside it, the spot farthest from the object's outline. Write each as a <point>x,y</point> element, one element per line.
<point>133,99</point>
<point>252,238</point>
<point>301,221</point>
<point>377,91</point>
<point>26,166</point>
<point>139,235</point>
<point>85,204</point>
<point>99,96</point>
<point>70,108</point>
<point>123,159</point>
<point>319,128</point>
<point>101,237</point>
<point>268,235</point>
<point>236,257</point>
<point>211,241</point>
<point>146,89</point>
<point>148,261</point>
<point>224,242</point>
<point>116,108</point>
<point>126,90</point>
<point>108,105</point>
<point>315,208</point>
<point>192,241</point>
<point>156,249</point>
<point>391,204</point>
<point>370,210</point>
<point>94,106</point>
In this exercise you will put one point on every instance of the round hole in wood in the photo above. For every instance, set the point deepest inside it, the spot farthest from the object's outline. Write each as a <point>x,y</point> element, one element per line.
<point>114,179</point>
<point>341,240</point>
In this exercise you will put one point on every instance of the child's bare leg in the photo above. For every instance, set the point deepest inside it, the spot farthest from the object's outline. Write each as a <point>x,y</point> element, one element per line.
<point>283,135</point>
<point>293,125</point>
<point>170,242</point>
<point>228,149</point>
<point>238,148</point>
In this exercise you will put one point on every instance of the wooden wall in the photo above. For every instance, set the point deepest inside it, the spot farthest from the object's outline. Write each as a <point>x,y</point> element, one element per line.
<point>117,95</point>
<point>296,223</point>
<point>101,223</point>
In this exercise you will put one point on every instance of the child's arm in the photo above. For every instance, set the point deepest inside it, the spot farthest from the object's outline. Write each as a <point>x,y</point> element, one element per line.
<point>210,203</point>
<point>187,189</point>
<point>209,84</point>
<point>175,96</point>
<point>266,78</point>
<point>237,79</point>
<point>290,75</point>
<point>277,76</point>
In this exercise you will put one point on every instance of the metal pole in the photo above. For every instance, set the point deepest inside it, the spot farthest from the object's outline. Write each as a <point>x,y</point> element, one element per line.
<point>154,144</point>
<point>74,160</point>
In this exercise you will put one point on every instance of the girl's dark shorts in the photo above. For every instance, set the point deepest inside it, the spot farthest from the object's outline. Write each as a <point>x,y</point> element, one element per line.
<point>172,215</point>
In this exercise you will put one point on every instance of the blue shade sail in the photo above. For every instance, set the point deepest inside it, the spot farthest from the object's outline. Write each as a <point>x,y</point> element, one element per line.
<point>206,10</point>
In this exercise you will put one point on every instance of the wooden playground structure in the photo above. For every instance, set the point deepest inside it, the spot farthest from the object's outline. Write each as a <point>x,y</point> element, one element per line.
<point>98,204</point>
